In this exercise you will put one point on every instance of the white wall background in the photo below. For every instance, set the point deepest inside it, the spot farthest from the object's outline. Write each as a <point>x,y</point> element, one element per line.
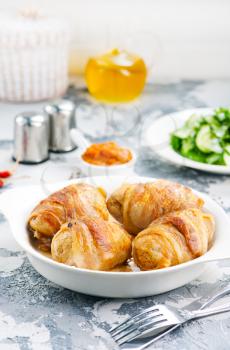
<point>187,39</point>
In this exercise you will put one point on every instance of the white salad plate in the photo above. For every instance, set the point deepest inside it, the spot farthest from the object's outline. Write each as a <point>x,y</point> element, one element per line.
<point>158,138</point>
<point>16,204</point>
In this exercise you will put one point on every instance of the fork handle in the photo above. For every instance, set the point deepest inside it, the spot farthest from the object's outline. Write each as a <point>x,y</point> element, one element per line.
<point>210,311</point>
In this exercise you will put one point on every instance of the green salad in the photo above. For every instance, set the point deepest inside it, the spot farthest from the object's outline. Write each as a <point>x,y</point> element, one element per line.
<point>205,139</point>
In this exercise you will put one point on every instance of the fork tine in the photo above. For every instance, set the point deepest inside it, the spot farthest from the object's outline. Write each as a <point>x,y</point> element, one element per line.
<point>136,321</point>
<point>119,325</point>
<point>137,330</point>
<point>135,325</point>
<point>134,335</point>
<point>153,323</point>
<point>132,331</point>
<point>113,329</point>
<point>122,329</point>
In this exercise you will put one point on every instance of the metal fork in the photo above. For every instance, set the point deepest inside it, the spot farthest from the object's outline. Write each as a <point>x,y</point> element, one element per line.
<point>199,304</point>
<point>159,317</point>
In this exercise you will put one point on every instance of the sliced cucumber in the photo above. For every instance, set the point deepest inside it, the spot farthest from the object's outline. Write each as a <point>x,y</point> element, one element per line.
<point>209,119</point>
<point>226,158</point>
<point>227,149</point>
<point>219,131</point>
<point>187,145</point>
<point>206,142</point>
<point>220,115</point>
<point>196,155</point>
<point>194,121</point>
<point>182,133</point>
<point>175,142</point>
<point>213,158</point>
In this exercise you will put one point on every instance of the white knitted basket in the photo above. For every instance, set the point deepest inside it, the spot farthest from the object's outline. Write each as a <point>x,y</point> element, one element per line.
<point>33,57</point>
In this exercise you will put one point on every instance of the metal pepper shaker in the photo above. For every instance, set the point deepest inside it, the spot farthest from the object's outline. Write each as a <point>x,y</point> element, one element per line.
<point>31,138</point>
<point>61,118</point>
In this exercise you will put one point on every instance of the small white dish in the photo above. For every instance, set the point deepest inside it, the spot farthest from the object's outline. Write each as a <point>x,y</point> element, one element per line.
<point>89,170</point>
<point>158,138</point>
<point>109,284</point>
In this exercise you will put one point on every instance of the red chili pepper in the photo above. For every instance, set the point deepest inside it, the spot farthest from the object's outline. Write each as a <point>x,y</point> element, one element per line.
<point>4,174</point>
<point>1,183</point>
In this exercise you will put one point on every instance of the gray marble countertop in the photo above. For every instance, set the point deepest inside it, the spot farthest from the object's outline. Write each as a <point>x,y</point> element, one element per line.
<point>37,314</point>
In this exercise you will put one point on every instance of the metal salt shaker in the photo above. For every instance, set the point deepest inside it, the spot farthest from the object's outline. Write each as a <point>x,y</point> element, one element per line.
<point>61,117</point>
<point>31,138</point>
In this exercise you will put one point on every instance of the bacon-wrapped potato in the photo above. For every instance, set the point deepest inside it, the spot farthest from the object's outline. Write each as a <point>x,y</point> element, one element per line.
<point>137,205</point>
<point>71,202</point>
<point>173,239</point>
<point>93,244</point>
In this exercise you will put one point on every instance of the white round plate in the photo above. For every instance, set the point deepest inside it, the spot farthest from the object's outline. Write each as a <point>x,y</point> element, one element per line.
<point>158,138</point>
<point>17,204</point>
